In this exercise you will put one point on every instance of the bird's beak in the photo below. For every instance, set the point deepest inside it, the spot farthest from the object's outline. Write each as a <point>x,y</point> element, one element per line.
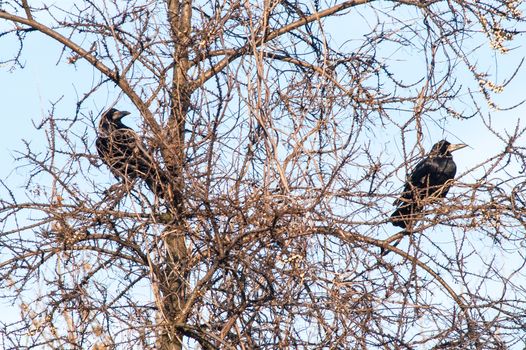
<point>456,146</point>
<point>124,113</point>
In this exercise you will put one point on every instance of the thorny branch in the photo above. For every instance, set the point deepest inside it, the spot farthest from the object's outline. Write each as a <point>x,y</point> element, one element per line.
<point>288,171</point>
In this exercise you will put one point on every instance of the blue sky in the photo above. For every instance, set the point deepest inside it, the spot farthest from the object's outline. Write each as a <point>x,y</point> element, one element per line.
<point>27,95</point>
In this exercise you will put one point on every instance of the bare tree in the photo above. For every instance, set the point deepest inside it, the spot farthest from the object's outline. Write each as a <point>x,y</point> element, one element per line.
<point>267,118</point>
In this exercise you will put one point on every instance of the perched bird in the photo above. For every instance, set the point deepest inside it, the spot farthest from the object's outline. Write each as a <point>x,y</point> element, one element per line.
<point>429,179</point>
<point>122,150</point>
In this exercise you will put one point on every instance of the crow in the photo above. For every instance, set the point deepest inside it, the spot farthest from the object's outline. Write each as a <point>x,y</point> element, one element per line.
<point>429,179</point>
<point>122,150</point>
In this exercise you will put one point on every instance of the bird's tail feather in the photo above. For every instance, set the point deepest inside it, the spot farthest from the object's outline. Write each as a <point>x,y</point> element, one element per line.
<point>397,219</point>
<point>405,215</point>
<point>158,182</point>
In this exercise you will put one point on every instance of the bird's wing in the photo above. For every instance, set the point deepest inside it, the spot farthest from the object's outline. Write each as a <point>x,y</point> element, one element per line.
<point>101,145</point>
<point>418,179</point>
<point>420,175</point>
<point>432,175</point>
<point>129,138</point>
<point>127,156</point>
<point>147,167</point>
<point>125,137</point>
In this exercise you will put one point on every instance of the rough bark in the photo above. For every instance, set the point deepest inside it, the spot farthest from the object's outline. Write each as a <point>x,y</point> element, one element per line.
<point>176,273</point>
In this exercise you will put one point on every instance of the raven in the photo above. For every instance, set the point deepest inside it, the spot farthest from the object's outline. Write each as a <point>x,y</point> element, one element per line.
<point>429,179</point>
<point>122,150</point>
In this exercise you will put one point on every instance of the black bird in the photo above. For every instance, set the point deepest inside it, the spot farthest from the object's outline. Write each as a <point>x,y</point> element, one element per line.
<point>428,179</point>
<point>122,150</point>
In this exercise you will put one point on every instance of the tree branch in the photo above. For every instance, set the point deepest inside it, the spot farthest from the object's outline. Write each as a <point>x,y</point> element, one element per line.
<point>353,237</point>
<point>272,35</point>
<point>101,67</point>
<point>27,9</point>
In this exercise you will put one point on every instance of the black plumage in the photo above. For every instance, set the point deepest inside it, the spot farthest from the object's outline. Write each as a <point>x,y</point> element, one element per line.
<point>122,150</point>
<point>429,179</point>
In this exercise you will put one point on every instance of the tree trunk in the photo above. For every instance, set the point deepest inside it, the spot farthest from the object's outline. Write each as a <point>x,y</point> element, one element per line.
<point>176,273</point>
